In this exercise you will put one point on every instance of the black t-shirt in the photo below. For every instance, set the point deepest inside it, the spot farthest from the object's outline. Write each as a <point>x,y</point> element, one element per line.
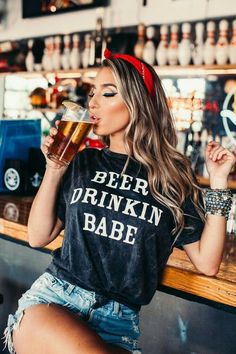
<point>117,237</point>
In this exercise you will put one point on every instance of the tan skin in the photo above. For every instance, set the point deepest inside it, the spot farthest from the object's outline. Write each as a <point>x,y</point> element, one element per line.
<point>54,330</point>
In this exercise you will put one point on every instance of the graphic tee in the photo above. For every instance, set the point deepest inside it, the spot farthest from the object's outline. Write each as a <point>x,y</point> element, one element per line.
<point>117,237</point>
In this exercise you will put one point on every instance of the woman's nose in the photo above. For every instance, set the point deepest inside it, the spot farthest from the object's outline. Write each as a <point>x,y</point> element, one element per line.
<point>93,102</point>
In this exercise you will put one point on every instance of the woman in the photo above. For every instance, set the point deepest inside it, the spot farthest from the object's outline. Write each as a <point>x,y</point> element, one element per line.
<point>123,209</point>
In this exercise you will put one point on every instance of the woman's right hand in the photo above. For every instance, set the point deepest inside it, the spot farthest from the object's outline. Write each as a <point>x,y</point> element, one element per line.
<point>46,146</point>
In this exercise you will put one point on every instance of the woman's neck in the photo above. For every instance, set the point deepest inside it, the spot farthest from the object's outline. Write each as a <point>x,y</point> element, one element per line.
<point>117,146</point>
<point>117,150</point>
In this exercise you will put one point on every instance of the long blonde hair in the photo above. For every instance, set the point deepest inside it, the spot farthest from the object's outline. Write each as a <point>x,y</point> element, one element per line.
<point>151,139</point>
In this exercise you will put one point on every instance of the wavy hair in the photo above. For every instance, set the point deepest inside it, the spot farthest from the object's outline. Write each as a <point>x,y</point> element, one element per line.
<point>151,139</point>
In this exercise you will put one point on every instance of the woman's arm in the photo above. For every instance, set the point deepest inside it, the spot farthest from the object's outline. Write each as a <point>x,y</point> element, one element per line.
<point>43,224</point>
<point>206,254</point>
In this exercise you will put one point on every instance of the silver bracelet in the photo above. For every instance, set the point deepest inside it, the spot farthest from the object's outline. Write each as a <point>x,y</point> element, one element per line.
<point>218,202</point>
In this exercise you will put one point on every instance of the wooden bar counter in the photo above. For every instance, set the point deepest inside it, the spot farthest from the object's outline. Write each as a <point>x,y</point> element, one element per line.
<point>179,277</point>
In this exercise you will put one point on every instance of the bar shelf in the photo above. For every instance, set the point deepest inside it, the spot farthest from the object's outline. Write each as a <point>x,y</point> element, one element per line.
<point>168,70</point>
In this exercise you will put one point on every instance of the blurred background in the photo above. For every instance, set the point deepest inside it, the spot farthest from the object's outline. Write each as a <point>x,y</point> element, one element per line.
<point>50,51</point>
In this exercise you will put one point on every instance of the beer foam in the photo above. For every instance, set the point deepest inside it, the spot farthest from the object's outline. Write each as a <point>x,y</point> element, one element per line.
<point>71,105</point>
<point>75,112</point>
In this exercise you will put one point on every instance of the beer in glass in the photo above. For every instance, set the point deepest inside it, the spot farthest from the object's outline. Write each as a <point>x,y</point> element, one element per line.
<point>72,130</point>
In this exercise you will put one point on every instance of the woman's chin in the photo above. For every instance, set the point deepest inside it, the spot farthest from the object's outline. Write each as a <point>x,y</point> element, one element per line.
<point>99,131</point>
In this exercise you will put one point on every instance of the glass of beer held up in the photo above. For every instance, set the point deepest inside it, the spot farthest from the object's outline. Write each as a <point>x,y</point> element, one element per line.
<point>72,130</point>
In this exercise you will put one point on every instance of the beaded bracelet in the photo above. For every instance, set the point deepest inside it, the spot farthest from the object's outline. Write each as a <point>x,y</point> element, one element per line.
<point>218,202</point>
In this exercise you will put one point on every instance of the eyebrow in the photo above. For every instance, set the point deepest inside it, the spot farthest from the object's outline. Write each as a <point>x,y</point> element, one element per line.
<point>106,85</point>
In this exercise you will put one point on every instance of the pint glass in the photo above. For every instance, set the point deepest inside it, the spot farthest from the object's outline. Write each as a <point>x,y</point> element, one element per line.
<point>72,130</point>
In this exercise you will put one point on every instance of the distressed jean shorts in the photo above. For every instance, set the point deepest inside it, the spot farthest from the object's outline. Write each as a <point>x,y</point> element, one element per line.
<point>115,323</point>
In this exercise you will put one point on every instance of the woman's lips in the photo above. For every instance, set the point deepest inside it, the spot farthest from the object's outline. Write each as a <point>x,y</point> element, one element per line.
<point>94,118</point>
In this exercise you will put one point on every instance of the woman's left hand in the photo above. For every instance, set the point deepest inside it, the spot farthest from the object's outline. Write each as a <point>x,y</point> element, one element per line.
<point>219,161</point>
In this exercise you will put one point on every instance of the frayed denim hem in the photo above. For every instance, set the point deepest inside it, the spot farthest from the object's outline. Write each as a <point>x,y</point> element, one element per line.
<point>12,324</point>
<point>48,289</point>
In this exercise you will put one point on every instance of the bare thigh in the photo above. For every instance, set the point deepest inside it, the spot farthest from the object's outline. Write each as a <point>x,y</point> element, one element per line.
<point>51,329</point>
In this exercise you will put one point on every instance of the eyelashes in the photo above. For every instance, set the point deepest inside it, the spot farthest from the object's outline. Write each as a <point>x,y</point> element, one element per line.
<point>107,94</point>
<point>110,94</point>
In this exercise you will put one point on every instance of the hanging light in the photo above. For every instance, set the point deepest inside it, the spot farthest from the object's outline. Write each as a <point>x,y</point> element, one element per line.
<point>53,8</point>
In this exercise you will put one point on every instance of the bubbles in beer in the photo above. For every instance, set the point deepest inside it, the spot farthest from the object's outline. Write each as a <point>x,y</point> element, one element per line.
<point>67,141</point>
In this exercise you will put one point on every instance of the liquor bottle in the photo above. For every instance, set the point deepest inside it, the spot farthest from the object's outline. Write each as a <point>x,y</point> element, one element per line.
<point>106,39</point>
<point>98,41</point>
<point>139,46</point>
<point>92,50</point>
<point>172,54</point>
<point>149,51</point>
<point>162,49</point>
<point>222,46</point>
<point>44,5</point>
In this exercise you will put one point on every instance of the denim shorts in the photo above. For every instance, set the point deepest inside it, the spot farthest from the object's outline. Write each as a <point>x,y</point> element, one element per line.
<point>115,323</point>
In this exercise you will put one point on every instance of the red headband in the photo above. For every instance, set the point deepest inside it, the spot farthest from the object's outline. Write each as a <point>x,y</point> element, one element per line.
<point>139,66</point>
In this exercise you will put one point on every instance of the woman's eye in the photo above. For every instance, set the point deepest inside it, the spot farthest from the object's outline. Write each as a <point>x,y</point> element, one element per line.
<point>106,94</point>
<point>109,94</point>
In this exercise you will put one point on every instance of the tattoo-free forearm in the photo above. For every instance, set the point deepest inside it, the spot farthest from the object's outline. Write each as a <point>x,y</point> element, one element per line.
<point>212,243</point>
<point>42,218</point>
